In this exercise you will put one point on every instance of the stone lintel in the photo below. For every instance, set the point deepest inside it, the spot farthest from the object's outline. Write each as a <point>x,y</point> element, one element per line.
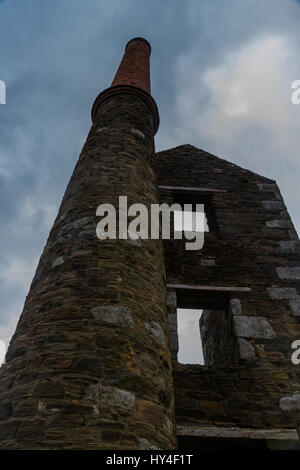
<point>238,433</point>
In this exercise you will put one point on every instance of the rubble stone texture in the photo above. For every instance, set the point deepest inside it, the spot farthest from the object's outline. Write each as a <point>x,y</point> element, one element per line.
<point>89,366</point>
<point>246,340</point>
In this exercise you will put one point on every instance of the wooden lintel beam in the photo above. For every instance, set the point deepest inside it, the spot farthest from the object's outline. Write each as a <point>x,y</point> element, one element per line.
<point>187,189</point>
<point>221,289</point>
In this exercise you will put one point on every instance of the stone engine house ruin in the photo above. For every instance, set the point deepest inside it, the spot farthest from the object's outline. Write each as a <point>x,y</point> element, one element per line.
<point>93,362</point>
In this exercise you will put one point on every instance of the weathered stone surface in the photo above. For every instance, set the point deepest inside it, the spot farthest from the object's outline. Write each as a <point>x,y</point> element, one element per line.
<point>236,306</point>
<point>173,323</point>
<point>267,187</point>
<point>173,334</point>
<point>273,205</point>
<point>28,408</point>
<point>238,433</point>
<point>293,234</point>
<point>50,390</point>
<point>156,332</point>
<point>113,314</point>
<point>88,365</point>
<point>171,301</point>
<point>278,223</point>
<point>278,293</point>
<point>114,400</point>
<point>290,293</point>
<point>174,344</point>
<point>291,273</point>
<point>145,445</point>
<point>137,132</point>
<point>218,343</point>
<point>8,430</point>
<point>295,306</point>
<point>28,430</point>
<point>5,410</point>
<point>246,350</point>
<point>289,246</point>
<point>207,262</point>
<point>253,327</point>
<point>291,403</point>
<point>79,224</point>
<point>57,262</point>
<point>133,241</point>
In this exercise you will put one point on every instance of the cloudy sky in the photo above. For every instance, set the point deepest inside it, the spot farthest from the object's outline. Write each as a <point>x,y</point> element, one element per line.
<point>221,75</point>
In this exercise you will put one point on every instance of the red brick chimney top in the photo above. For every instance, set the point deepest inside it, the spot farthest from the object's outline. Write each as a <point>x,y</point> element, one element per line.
<point>134,68</point>
<point>132,76</point>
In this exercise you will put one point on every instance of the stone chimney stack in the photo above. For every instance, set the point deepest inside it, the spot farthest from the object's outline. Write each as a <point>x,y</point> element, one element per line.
<point>133,76</point>
<point>89,364</point>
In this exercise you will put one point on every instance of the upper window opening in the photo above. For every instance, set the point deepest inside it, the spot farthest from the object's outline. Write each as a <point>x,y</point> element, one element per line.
<point>190,346</point>
<point>191,218</point>
<point>187,221</point>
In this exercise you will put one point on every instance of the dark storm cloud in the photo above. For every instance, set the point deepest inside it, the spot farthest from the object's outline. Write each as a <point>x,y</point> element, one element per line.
<point>55,57</point>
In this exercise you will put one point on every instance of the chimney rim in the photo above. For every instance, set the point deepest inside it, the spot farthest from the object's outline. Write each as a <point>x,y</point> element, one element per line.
<point>116,89</point>
<point>139,39</point>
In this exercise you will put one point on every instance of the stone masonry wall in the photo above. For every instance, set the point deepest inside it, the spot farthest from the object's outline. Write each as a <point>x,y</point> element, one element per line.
<point>89,365</point>
<point>219,345</point>
<point>232,397</point>
<point>252,244</point>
